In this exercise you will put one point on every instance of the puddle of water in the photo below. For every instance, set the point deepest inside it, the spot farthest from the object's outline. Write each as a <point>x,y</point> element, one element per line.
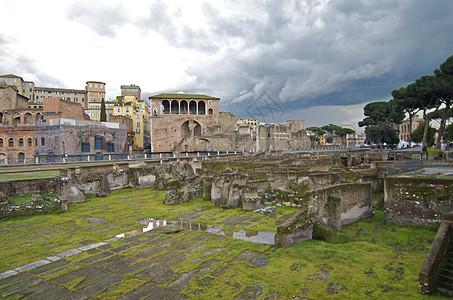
<point>259,237</point>
<point>149,224</point>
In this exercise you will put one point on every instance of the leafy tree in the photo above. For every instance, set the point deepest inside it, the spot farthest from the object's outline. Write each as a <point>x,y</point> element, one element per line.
<point>332,128</point>
<point>317,130</point>
<point>418,135</point>
<point>103,115</point>
<point>380,134</point>
<point>407,103</point>
<point>329,139</point>
<point>450,132</point>
<point>379,121</point>
<point>345,131</point>
<point>444,76</point>
<point>425,91</point>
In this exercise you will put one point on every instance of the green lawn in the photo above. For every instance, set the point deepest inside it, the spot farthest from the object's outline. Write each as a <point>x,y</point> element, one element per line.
<point>29,175</point>
<point>379,261</point>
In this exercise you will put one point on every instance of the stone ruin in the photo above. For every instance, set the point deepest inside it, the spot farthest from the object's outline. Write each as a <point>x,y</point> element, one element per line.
<point>330,189</point>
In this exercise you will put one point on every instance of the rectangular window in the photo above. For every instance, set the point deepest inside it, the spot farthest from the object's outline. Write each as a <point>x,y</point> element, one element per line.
<point>110,148</point>
<point>138,124</point>
<point>137,130</point>
<point>85,147</point>
<point>1,142</point>
<point>83,100</point>
<point>97,143</point>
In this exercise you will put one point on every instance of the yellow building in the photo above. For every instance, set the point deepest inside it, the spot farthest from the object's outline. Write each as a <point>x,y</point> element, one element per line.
<point>138,111</point>
<point>94,109</point>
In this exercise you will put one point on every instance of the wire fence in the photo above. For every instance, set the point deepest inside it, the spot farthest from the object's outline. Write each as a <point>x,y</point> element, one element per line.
<point>404,167</point>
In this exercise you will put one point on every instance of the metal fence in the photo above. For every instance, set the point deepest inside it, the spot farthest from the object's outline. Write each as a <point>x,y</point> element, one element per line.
<point>404,167</point>
<point>49,159</point>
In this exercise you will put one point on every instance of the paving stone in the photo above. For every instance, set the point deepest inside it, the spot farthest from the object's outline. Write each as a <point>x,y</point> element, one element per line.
<point>120,248</point>
<point>163,257</point>
<point>70,276</point>
<point>149,253</point>
<point>108,261</point>
<point>96,257</point>
<point>52,266</point>
<point>105,247</point>
<point>63,255</point>
<point>139,293</point>
<point>184,246</point>
<point>89,247</point>
<point>179,258</point>
<point>135,268</point>
<point>7,274</point>
<point>206,266</point>
<point>101,285</point>
<point>60,293</point>
<point>20,286</point>
<point>15,278</point>
<point>158,274</point>
<point>182,281</point>
<point>246,256</point>
<point>33,291</point>
<point>250,292</point>
<point>32,265</point>
<point>121,265</point>
<point>171,243</point>
<point>161,294</point>
<point>72,296</point>
<point>199,247</point>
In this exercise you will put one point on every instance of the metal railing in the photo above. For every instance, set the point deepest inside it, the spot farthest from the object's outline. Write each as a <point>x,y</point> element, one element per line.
<point>404,167</point>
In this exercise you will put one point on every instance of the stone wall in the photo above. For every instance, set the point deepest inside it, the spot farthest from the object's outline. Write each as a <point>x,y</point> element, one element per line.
<point>417,200</point>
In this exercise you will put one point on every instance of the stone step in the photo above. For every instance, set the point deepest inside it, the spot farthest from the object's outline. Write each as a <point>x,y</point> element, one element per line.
<point>446,292</point>
<point>446,278</point>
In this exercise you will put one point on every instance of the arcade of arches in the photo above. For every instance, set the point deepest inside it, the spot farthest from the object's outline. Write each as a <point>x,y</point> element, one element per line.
<point>183,107</point>
<point>20,117</point>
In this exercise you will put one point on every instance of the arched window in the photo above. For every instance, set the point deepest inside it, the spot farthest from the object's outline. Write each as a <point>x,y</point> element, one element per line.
<point>184,107</point>
<point>11,142</point>
<point>16,119</point>
<point>185,130</point>
<point>174,107</point>
<point>38,117</point>
<point>29,142</point>
<point>21,142</point>
<point>21,157</point>
<point>210,111</point>
<point>197,129</point>
<point>28,118</point>
<point>43,141</point>
<point>192,107</point>
<point>201,108</point>
<point>165,107</point>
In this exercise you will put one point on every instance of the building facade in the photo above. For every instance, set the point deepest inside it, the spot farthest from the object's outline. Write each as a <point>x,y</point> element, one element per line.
<point>178,121</point>
<point>404,128</point>
<point>138,112</point>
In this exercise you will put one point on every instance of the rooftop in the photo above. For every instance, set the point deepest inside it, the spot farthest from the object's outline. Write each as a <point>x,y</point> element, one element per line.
<point>181,96</point>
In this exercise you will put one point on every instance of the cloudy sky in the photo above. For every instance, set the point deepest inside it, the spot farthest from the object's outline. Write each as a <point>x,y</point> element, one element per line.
<point>316,60</point>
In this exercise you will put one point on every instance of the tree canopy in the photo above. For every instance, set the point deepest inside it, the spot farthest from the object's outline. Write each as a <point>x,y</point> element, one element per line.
<point>430,94</point>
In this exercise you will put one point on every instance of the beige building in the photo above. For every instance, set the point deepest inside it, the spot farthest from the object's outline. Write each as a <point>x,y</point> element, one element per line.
<point>94,91</point>
<point>139,112</point>
<point>404,128</point>
<point>178,121</point>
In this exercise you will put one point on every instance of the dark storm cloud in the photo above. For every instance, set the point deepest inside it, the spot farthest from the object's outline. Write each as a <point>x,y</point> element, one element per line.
<point>101,18</point>
<point>303,53</point>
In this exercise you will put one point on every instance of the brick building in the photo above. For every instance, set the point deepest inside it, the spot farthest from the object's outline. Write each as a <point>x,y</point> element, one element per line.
<point>55,108</point>
<point>178,121</point>
<point>76,137</point>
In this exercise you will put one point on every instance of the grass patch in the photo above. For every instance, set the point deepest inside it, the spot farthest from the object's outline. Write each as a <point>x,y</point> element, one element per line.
<point>29,175</point>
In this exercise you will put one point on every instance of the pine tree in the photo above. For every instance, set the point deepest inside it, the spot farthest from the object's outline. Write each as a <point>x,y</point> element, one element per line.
<point>103,116</point>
